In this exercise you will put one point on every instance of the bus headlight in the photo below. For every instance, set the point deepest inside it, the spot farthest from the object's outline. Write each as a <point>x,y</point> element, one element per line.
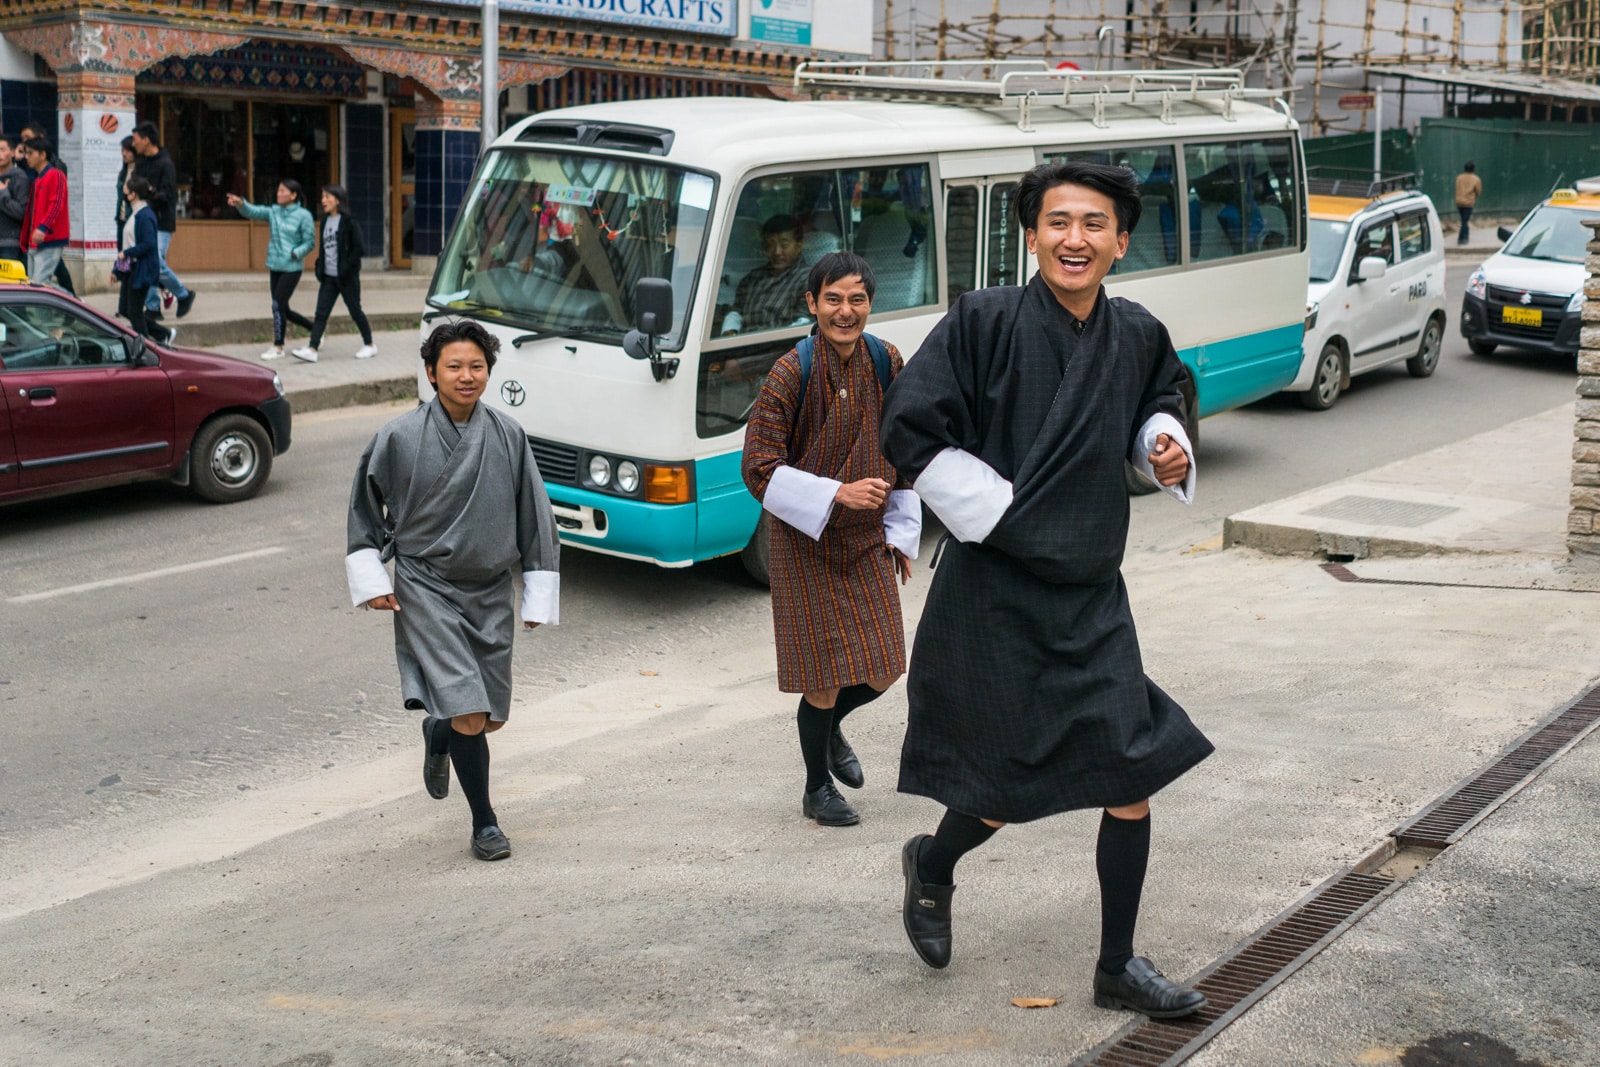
<point>628,476</point>
<point>1476,286</point>
<point>1576,303</point>
<point>600,471</point>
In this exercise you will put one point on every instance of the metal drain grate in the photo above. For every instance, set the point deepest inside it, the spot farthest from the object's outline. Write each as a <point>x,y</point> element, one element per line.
<point>1443,822</point>
<point>1248,973</point>
<point>1345,574</point>
<point>1381,512</point>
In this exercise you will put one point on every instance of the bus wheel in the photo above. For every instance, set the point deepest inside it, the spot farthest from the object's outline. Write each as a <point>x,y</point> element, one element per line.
<point>757,555</point>
<point>1191,412</point>
<point>1135,482</point>
<point>1327,381</point>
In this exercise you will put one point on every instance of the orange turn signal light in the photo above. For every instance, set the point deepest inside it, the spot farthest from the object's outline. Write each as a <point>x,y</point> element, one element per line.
<point>666,485</point>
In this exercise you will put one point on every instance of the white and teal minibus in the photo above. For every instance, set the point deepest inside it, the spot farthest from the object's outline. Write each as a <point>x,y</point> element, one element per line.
<point>638,438</point>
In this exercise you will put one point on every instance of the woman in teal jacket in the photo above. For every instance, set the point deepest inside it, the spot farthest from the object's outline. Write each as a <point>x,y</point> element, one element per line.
<point>291,235</point>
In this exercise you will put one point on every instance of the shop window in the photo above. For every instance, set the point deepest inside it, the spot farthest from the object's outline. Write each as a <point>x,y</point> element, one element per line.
<point>206,139</point>
<point>291,141</point>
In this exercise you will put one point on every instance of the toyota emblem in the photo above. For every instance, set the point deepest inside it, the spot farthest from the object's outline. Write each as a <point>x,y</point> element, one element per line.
<point>1526,298</point>
<point>513,393</point>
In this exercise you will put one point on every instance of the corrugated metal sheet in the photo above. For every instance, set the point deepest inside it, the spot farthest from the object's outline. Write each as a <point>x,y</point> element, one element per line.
<point>1531,85</point>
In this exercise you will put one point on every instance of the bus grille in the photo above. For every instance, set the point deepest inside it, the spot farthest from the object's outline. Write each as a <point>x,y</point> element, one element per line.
<point>557,463</point>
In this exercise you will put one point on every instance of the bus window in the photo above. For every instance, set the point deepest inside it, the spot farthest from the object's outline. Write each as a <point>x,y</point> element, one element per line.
<point>1003,238</point>
<point>784,223</point>
<point>1243,198</point>
<point>555,242</point>
<point>961,240</point>
<point>1154,243</point>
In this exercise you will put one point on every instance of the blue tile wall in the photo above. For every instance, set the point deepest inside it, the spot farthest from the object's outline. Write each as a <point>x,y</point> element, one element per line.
<point>22,102</point>
<point>364,176</point>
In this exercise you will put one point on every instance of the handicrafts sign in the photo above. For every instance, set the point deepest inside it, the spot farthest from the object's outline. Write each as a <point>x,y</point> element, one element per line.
<point>719,17</point>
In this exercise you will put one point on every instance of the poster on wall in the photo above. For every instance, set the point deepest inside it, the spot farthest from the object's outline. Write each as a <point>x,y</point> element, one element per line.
<point>90,143</point>
<point>781,21</point>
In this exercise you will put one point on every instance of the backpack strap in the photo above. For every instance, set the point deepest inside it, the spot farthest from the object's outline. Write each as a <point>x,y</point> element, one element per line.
<point>806,351</point>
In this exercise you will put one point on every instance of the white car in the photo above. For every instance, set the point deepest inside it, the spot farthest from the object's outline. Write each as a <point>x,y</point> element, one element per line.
<point>1530,293</point>
<point>1376,292</point>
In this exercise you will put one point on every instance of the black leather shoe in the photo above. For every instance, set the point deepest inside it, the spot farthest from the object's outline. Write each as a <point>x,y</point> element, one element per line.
<point>825,805</point>
<point>1144,989</point>
<point>926,909</point>
<point>842,760</point>
<point>490,844</point>
<point>185,302</point>
<point>435,768</point>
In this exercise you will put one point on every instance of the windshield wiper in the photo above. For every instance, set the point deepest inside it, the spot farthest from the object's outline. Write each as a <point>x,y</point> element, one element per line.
<point>455,306</point>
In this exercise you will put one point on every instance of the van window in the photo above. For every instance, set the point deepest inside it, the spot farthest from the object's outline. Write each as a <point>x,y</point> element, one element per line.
<point>783,223</point>
<point>1154,242</point>
<point>1415,236</point>
<point>961,240</point>
<point>1244,197</point>
<point>1375,240</point>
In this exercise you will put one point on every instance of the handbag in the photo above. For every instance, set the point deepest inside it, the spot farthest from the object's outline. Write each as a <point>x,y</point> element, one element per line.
<point>122,267</point>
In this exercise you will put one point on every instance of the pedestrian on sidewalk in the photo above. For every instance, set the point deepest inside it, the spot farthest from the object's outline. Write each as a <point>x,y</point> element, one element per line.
<point>14,185</point>
<point>122,181</point>
<point>338,272</point>
<point>451,493</point>
<point>141,256</point>
<point>47,224</point>
<point>1468,188</point>
<point>155,166</point>
<point>63,276</point>
<point>1028,695</point>
<point>844,525</point>
<point>291,234</point>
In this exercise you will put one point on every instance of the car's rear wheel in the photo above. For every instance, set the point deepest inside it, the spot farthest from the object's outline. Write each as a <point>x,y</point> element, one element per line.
<point>757,555</point>
<point>1427,358</point>
<point>230,459</point>
<point>1482,348</point>
<point>1328,380</point>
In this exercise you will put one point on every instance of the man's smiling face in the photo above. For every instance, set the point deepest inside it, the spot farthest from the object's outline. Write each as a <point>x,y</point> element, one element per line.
<point>1076,242</point>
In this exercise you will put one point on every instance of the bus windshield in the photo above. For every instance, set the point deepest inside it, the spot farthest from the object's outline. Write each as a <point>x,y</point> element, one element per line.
<point>1556,233</point>
<point>1327,248</point>
<point>555,242</point>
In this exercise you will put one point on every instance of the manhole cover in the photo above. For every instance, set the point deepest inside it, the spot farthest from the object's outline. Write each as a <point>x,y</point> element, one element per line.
<point>1380,512</point>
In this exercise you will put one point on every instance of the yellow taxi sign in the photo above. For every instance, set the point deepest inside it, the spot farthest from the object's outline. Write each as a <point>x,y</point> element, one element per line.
<point>1562,195</point>
<point>12,271</point>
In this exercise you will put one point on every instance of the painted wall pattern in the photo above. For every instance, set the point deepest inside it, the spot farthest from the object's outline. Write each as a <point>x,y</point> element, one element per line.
<point>271,66</point>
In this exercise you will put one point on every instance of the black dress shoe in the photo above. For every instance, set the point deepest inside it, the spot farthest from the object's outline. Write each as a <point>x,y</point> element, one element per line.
<point>1144,989</point>
<point>490,844</point>
<point>435,766</point>
<point>926,909</point>
<point>825,805</point>
<point>842,760</point>
<point>185,302</point>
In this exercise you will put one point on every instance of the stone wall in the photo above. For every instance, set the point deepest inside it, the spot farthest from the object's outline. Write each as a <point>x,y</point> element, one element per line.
<point>1583,524</point>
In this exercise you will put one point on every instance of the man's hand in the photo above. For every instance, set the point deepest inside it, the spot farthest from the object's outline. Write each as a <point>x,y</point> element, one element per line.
<point>530,626</point>
<point>234,199</point>
<point>901,564</point>
<point>864,495</point>
<point>38,238</point>
<point>1169,460</point>
<point>386,602</point>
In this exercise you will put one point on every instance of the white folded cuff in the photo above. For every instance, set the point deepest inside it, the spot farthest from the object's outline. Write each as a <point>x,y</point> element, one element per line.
<point>967,494</point>
<point>804,501</point>
<point>367,575</point>
<point>902,522</point>
<point>541,597</point>
<point>1162,423</point>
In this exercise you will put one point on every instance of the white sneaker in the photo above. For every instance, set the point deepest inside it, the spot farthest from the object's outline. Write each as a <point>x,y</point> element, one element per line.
<point>307,353</point>
<point>366,351</point>
<point>273,353</point>
<point>172,335</point>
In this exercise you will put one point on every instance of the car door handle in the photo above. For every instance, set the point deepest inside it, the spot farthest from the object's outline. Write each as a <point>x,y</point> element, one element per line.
<point>41,392</point>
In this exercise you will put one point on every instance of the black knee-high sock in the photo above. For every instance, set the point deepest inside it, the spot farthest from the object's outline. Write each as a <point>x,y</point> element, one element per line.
<point>470,754</point>
<point>815,725</point>
<point>852,697</point>
<point>1121,856</point>
<point>957,835</point>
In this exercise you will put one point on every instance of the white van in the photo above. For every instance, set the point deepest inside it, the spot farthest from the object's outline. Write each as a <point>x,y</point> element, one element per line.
<point>1376,294</point>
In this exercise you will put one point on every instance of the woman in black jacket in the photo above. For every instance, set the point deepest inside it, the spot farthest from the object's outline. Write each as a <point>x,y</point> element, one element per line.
<point>338,270</point>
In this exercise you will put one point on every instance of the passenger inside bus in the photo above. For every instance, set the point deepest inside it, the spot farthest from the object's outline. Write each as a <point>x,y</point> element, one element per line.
<point>772,295</point>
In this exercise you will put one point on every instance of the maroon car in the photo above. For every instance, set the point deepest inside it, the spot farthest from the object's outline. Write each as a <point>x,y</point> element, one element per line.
<point>88,403</point>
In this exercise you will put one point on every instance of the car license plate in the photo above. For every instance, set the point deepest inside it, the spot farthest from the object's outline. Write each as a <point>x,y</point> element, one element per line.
<point>1522,316</point>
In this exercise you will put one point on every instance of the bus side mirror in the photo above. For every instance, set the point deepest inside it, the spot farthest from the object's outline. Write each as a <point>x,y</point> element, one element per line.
<point>1371,268</point>
<point>1504,233</point>
<point>652,317</point>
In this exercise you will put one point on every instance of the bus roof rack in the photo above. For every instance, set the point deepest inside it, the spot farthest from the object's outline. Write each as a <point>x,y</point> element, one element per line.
<point>1356,182</point>
<point>998,83</point>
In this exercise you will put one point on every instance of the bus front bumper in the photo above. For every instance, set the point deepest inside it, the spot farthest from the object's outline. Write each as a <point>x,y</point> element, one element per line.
<point>663,534</point>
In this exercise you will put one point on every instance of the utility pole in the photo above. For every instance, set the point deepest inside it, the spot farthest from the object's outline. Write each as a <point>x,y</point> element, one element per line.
<point>490,76</point>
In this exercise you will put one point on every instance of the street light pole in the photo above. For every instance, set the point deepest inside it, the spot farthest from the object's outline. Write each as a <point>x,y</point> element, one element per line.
<point>490,76</point>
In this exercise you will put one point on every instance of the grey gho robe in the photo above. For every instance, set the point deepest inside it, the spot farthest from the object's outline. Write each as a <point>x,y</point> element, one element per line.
<point>458,510</point>
<point>1027,692</point>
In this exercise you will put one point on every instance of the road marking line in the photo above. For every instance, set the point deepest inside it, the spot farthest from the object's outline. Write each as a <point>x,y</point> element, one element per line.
<point>182,568</point>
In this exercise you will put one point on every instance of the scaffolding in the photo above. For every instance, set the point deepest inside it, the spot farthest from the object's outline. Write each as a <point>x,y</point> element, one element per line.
<point>1289,45</point>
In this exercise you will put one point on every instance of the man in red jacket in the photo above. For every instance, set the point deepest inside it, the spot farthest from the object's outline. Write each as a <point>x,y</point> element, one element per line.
<point>46,226</point>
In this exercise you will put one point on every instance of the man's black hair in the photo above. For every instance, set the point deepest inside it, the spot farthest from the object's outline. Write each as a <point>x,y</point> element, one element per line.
<point>460,330</point>
<point>1118,183</point>
<point>1469,166</point>
<point>8,139</point>
<point>837,266</point>
<point>41,144</point>
<point>150,132</point>
<point>780,224</point>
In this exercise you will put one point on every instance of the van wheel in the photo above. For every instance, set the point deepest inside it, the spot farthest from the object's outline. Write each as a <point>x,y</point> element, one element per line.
<point>1427,358</point>
<point>1327,381</point>
<point>230,459</point>
<point>1482,348</point>
<point>757,555</point>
